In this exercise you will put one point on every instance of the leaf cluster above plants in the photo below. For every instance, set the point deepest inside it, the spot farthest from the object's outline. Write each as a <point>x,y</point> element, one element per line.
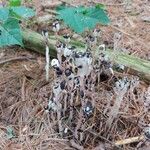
<point>82,18</point>
<point>10,33</point>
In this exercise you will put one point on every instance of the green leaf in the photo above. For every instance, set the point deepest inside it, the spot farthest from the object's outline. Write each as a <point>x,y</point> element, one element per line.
<point>10,33</point>
<point>23,12</point>
<point>16,12</point>
<point>82,18</point>
<point>4,13</point>
<point>12,14</point>
<point>14,2</point>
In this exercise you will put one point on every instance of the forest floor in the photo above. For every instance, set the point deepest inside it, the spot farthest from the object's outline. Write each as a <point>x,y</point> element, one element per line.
<point>24,91</point>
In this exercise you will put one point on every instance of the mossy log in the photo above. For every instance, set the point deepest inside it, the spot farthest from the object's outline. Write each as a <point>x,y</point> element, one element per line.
<point>34,41</point>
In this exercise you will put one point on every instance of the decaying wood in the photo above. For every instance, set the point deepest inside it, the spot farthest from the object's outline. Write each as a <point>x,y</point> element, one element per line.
<point>139,67</point>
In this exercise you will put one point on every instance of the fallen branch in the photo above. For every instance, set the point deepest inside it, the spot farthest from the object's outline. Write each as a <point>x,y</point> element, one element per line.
<point>138,66</point>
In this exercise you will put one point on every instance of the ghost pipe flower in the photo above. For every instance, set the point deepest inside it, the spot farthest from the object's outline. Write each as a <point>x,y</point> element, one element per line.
<point>91,41</point>
<point>67,52</point>
<point>60,47</point>
<point>102,48</point>
<point>67,38</point>
<point>56,26</point>
<point>55,64</point>
<point>97,32</point>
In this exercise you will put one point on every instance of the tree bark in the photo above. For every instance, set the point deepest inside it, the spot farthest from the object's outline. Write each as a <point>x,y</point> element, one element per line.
<point>34,41</point>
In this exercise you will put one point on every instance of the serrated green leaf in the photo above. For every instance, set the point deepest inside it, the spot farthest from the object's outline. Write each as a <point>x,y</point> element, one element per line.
<point>14,2</point>
<point>81,18</point>
<point>10,33</point>
<point>23,12</point>
<point>15,12</point>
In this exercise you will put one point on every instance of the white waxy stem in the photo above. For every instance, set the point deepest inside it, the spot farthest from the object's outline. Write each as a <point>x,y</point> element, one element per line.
<point>56,89</point>
<point>88,60</point>
<point>86,65</point>
<point>111,71</point>
<point>55,63</point>
<point>84,71</point>
<point>60,49</point>
<point>47,63</point>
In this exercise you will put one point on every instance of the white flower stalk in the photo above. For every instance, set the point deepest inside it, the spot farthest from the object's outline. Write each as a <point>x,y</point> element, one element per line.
<point>57,90</point>
<point>120,89</point>
<point>47,63</point>
<point>45,35</point>
<point>117,40</point>
<point>84,70</point>
<point>111,71</point>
